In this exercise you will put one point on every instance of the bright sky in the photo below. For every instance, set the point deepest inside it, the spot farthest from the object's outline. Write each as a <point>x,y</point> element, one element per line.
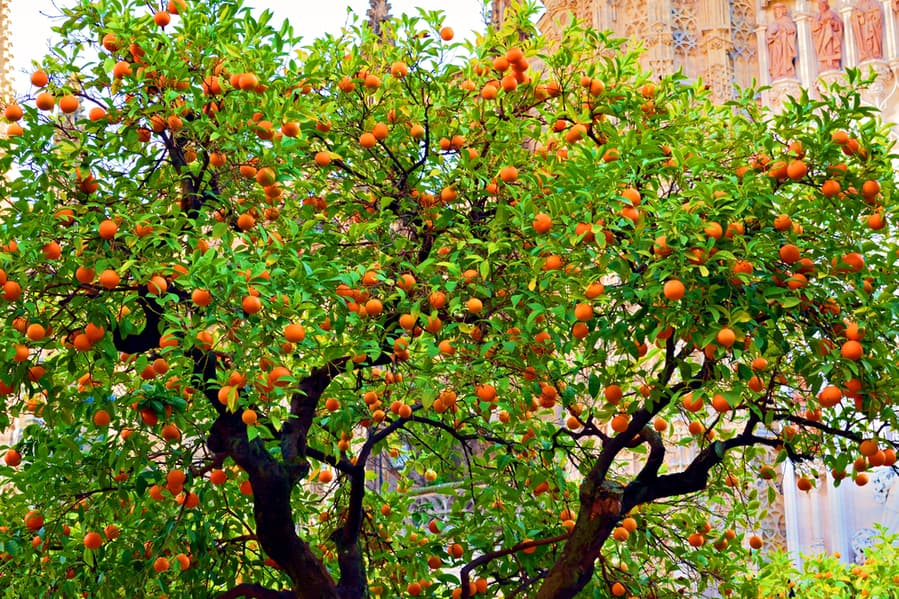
<point>310,18</point>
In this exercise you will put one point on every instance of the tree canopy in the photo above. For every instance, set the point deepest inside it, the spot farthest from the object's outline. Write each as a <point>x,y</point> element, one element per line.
<point>394,314</point>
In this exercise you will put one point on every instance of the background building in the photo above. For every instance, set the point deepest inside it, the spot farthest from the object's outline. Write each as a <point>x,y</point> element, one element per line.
<point>788,45</point>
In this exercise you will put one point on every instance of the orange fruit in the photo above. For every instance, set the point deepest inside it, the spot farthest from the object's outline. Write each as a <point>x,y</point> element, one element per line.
<point>542,223</point>
<point>35,332</point>
<point>508,174</point>
<point>101,418</point>
<point>249,417</point>
<point>13,112</point>
<point>789,253</point>
<point>852,350</point>
<point>161,564</point>
<point>726,337</point>
<point>447,33</point>
<point>69,104</point>
<point>613,394</point>
<point>583,312</point>
<point>251,304</point>
<point>797,169</point>
<point>162,18</point>
<point>45,101</point>
<point>201,297</point>
<point>325,476</point>
<point>93,540</point>
<point>674,289</point>
<point>12,458</point>
<point>294,333</point>
<point>756,542</point>
<point>157,285</point>
<point>107,229</point>
<point>39,78</point>
<point>618,590</point>
<point>474,305</point>
<point>109,279</point>
<point>218,476</point>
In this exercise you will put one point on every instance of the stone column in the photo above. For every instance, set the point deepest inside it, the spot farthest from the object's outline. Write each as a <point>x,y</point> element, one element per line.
<point>806,61</point>
<point>791,512</point>
<point>714,45</point>
<point>890,42</point>
<point>661,38</point>
<point>850,59</point>
<point>764,75</point>
<point>839,531</point>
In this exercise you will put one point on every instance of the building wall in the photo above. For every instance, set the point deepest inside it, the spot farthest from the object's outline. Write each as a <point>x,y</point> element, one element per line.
<point>726,42</point>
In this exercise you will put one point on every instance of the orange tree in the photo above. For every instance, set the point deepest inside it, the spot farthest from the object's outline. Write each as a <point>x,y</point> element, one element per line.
<point>403,315</point>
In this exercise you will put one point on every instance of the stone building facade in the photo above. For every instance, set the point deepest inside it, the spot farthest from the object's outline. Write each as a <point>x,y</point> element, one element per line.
<point>788,45</point>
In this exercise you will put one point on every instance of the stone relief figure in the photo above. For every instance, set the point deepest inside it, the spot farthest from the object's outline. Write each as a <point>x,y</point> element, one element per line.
<point>867,25</point>
<point>781,39</point>
<point>827,31</point>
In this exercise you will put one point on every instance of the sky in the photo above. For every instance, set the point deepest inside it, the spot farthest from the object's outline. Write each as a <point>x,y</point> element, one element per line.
<point>32,21</point>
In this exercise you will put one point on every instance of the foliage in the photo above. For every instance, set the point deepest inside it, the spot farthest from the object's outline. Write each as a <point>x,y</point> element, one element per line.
<point>413,316</point>
<point>827,576</point>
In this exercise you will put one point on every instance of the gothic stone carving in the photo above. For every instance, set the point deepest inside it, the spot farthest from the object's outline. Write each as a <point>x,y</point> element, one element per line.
<point>827,30</point>
<point>867,25</point>
<point>781,39</point>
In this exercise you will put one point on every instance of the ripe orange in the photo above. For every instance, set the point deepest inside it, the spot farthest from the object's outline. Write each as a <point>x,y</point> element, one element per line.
<point>249,417</point>
<point>157,285</point>
<point>251,304</point>
<point>201,297</point>
<point>69,104</point>
<point>756,542</point>
<point>101,418</point>
<point>45,101</point>
<point>39,78</point>
<point>852,350</point>
<point>690,403</point>
<point>367,140</point>
<point>674,289</point>
<point>323,158</point>
<point>620,534</point>
<point>447,34</point>
<point>35,332</point>
<point>12,458</point>
<point>618,590</point>
<point>789,253</point>
<point>13,112</point>
<point>161,564</point>
<point>613,394</point>
<point>474,305</point>
<point>109,279</point>
<point>218,476</point>
<point>325,476</point>
<point>93,540</point>
<point>797,169</point>
<point>619,422</point>
<point>162,18</point>
<point>583,312</point>
<point>696,539</point>
<point>34,520</point>
<point>594,290</point>
<point>542,223</point>
<point>437,300</point>
<point>107,229</point>
<point>508,174</point>
<point>294,333</point>
<point>726,337</point>
<point>720,403</point>
<point>413,589</point>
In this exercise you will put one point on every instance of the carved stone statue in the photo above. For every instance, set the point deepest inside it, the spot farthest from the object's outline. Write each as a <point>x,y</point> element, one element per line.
<point>867,25</point>
<point>827,31</point>
<point>781,39</point>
